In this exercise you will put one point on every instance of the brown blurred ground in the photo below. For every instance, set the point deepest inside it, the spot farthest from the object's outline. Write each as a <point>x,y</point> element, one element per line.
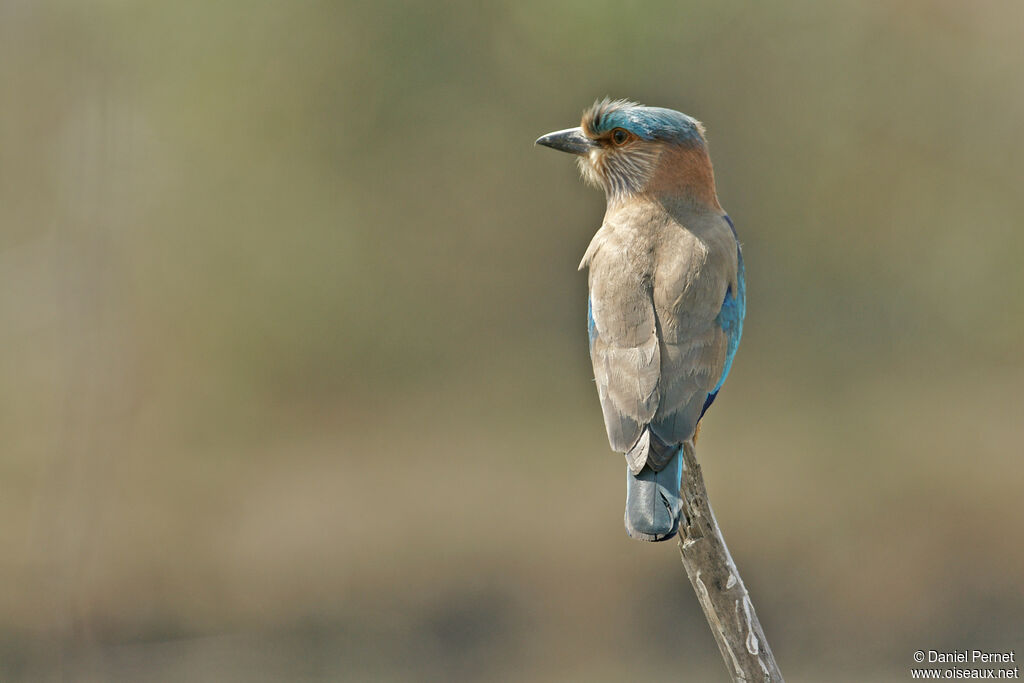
<point>295,382</point>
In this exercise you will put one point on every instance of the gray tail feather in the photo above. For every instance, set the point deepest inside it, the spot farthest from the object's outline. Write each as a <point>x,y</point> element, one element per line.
<point>652,501</point>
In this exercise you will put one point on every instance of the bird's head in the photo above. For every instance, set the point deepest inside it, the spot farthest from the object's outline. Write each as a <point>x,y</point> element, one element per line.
<point>629,149</point>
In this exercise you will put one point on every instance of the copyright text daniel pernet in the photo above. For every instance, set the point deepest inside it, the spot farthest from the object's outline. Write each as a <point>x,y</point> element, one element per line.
<point>971,664</point>
<point>964,657</point>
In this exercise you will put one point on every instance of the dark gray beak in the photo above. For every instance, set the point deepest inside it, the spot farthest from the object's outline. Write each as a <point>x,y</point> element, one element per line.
<point>571,140</point>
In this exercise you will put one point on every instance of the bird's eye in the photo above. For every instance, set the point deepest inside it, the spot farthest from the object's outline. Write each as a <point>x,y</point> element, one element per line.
<point>620,136</point>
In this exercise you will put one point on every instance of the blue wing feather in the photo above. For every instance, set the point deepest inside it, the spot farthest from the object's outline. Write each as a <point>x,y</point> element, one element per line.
<point>730,319</point>
<point>591,325</point>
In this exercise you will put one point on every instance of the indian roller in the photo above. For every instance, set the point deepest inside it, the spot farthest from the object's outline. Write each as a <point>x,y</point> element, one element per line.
<point>667,294</point>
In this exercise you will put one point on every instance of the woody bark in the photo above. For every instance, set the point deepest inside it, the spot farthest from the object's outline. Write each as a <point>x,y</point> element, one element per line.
<point>717,582</point>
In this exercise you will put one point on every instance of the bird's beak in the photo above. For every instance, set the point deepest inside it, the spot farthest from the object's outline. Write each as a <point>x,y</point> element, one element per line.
<point>570,140</point>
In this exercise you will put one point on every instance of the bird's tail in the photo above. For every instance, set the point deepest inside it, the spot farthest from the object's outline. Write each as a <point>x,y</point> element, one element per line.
<point>652,501</point>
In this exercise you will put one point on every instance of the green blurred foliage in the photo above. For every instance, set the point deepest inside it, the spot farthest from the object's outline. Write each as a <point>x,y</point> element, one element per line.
<point>296,383</point>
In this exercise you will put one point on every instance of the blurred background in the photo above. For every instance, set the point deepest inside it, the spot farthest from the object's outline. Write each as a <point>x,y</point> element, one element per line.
<point>295,384</point>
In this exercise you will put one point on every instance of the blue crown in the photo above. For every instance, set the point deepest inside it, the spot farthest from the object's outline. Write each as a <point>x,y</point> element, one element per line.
<point>647,123</point>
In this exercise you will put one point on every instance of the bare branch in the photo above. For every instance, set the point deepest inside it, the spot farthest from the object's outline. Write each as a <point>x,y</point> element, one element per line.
<point>718,585</point>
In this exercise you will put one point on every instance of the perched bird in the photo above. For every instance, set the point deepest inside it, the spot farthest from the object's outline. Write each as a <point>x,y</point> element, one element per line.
<point>667,294</point>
